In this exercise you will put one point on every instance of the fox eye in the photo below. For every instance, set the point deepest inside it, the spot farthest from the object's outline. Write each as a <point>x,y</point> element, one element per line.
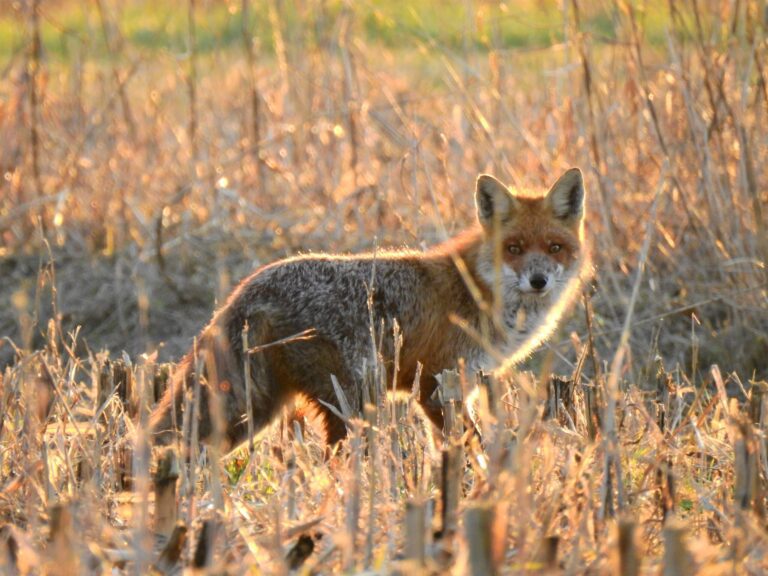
<point>554,248</point>
<point>515,249</point>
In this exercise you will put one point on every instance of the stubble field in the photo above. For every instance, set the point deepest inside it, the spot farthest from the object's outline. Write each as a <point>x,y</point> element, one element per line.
<point>152,154</point>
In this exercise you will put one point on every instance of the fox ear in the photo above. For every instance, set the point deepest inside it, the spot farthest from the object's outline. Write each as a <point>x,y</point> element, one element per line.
<point>567,195</point>
<point>491,197</point>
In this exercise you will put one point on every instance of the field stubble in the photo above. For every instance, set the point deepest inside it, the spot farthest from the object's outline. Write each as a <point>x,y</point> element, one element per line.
<point>138,190</point>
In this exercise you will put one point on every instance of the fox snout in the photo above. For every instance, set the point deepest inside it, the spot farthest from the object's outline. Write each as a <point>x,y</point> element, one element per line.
<point>538,281</point>
<point>540,275</point>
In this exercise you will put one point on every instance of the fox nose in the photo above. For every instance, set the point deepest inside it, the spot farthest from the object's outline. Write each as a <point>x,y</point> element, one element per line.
<point>538,281</point>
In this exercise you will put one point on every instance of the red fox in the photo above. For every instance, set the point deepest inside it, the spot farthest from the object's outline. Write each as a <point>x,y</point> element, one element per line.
<point>489,295</point>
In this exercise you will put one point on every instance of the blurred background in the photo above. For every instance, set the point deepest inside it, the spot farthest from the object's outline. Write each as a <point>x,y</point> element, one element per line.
<point>154,153</point>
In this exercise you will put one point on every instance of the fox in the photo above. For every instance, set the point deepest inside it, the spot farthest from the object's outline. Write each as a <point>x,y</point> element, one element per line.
<point>486,297</point>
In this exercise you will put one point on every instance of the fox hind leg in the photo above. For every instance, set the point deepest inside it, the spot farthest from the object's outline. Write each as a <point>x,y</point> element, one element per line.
<point>429,404</point>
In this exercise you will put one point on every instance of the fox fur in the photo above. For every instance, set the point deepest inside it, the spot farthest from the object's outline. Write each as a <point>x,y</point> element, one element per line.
<point>489,295</point>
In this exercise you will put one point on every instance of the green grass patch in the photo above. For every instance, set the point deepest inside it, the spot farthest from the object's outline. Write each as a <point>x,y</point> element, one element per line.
<point>163,25</point>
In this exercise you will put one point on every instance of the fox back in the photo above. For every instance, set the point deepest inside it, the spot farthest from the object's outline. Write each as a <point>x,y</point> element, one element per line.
<point>488,296</point>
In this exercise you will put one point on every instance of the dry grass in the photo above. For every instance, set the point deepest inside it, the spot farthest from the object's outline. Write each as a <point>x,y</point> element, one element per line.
<point>139,185</point>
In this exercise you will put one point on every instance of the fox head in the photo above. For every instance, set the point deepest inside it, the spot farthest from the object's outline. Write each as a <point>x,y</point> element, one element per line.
<point>532,244</point>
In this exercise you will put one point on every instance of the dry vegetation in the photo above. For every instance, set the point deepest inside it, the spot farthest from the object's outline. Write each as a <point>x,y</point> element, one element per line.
<point>139,182</point>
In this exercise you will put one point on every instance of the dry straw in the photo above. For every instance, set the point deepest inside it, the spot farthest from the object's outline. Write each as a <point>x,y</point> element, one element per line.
<point>139,183</point>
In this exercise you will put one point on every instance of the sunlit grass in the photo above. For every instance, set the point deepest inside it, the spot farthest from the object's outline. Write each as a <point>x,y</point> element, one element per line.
<point>156,190</point>
<point>68,26</point>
